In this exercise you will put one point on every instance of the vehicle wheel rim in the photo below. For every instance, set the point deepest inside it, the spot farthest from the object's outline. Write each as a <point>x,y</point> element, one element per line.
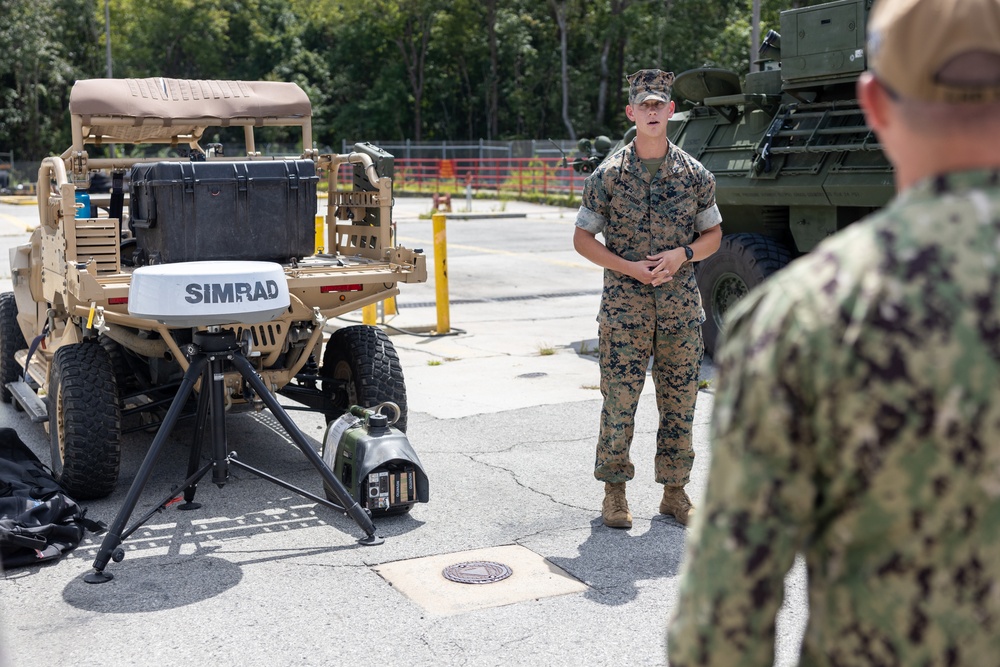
<point>60,425</point>
<point>342,371</point>
<point>729,289</point>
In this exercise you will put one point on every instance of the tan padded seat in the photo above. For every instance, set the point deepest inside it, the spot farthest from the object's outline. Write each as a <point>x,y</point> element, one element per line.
<point>180,98</point>
<point>160,108</point>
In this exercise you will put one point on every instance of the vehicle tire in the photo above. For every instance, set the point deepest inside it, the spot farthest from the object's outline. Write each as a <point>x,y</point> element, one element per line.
<point>365,363</point>
<point>742,262</point>
<point>84,421</point>
<point>11,340</point>
<point>125,378</point>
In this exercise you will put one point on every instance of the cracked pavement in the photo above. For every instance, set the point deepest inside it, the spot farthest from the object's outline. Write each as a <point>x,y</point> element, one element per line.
<point>503,416</point>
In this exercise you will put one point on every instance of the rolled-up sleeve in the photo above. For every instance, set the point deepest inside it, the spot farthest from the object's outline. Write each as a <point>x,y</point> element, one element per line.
<point>708,214</point>
<point>706,219</point>
<point>590,221</point>
<point>593,214</point>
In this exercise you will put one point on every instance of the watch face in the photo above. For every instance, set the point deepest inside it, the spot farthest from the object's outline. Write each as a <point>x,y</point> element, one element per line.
<point>688,252</point>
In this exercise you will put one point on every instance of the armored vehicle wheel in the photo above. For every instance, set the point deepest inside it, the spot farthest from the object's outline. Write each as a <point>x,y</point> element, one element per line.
<point>742,262</point>
<point>365,368</point>
<point>84,421</point>
<point>11,340</point>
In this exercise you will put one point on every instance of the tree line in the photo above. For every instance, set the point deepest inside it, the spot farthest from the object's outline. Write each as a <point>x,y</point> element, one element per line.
<point>380,70</point>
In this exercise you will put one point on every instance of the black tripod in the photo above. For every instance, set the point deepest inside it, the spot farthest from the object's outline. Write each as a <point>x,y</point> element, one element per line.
<point>208,353</point>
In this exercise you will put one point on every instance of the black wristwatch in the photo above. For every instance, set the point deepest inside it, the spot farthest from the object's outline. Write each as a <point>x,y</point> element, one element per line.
<point>688,253</point>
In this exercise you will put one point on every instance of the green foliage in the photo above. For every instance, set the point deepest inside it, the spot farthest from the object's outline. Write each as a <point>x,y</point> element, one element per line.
<point>381,70</point>
<point>47,44</point>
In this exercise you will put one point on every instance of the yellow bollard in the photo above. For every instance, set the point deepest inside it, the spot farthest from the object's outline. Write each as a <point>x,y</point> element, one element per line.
<point>441,273</point>
<point>369,314</point>
<point>320,241</point>
<point>390,306</point>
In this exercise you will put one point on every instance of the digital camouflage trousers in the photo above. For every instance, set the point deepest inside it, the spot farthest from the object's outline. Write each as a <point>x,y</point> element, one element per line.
<point>624,359</point>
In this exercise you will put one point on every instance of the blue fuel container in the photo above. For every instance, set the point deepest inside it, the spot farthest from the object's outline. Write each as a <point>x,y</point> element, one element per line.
<point>83,197</point>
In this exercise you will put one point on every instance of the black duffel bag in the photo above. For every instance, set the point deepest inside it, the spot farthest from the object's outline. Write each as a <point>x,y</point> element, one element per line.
<point>38,521</point>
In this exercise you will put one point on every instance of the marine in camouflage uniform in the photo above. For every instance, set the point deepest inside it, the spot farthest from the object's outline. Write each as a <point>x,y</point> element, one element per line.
<point>857,421</point>
<point>638,219</point>
<point>641,215</point>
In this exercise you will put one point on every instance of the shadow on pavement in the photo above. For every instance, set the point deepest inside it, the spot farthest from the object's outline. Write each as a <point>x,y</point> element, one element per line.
<point>612,562</point>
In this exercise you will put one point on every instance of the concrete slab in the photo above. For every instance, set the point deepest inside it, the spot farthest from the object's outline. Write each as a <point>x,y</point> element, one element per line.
<point>533,577</point>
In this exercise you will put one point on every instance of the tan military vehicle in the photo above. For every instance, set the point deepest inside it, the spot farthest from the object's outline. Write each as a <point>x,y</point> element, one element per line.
<point>76,354</point>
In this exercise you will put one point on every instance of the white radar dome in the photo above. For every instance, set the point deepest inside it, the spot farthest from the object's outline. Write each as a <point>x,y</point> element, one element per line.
<point>209,293</point>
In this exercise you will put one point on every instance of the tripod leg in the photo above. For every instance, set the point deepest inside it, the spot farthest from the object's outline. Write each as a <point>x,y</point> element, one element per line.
<point>353,509</point>
<point>201,421</point>
<point>217,403</point>
<point>113,537</point>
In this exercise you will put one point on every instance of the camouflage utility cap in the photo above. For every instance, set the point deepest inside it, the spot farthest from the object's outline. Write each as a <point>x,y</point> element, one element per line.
<point>649,84</point>
<point>937,50</point>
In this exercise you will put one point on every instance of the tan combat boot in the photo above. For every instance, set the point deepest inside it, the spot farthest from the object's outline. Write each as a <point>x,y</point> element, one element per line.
<point>676,502</point>
<point>615,511</point>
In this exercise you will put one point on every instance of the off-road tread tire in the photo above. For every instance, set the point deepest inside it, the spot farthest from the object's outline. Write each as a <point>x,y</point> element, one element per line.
<point>376,373</point>
<point>11,340</point>
<point>752,257</point>
<point>83,392</point>
<point>124,376</point>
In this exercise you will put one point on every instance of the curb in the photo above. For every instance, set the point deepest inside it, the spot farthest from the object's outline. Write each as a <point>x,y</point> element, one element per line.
<point>19,200</point>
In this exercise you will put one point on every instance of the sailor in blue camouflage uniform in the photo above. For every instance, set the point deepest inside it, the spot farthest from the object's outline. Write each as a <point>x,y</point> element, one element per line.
<point>655,207</point>
<point>857,415</point>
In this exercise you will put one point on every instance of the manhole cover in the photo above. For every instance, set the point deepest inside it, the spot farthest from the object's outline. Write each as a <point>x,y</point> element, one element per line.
<point>477,572</point>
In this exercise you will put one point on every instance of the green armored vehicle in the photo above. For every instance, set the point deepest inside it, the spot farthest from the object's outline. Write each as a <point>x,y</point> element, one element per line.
<point>792,156</point>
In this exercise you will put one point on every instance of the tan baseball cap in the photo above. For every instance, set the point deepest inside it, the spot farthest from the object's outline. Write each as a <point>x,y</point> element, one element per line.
<point>911,42</point>
<point>649,84</point>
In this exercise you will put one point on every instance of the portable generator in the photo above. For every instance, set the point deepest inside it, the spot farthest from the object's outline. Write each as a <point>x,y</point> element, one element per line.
<point>374,461</point>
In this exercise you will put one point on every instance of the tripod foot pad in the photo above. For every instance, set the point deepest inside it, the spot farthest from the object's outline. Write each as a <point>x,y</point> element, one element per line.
<point>186,507</point>
<point>98,577</point>
<point>371,541</point>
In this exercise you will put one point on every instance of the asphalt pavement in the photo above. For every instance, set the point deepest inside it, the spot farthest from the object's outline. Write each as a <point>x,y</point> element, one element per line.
<point>503,412</point>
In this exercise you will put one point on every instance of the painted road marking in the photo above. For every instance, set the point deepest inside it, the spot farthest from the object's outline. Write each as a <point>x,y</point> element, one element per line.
<point>17,222</point>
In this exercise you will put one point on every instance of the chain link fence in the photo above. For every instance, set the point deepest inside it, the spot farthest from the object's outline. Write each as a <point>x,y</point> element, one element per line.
<point>482,149</point>
<point>19,176</point>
